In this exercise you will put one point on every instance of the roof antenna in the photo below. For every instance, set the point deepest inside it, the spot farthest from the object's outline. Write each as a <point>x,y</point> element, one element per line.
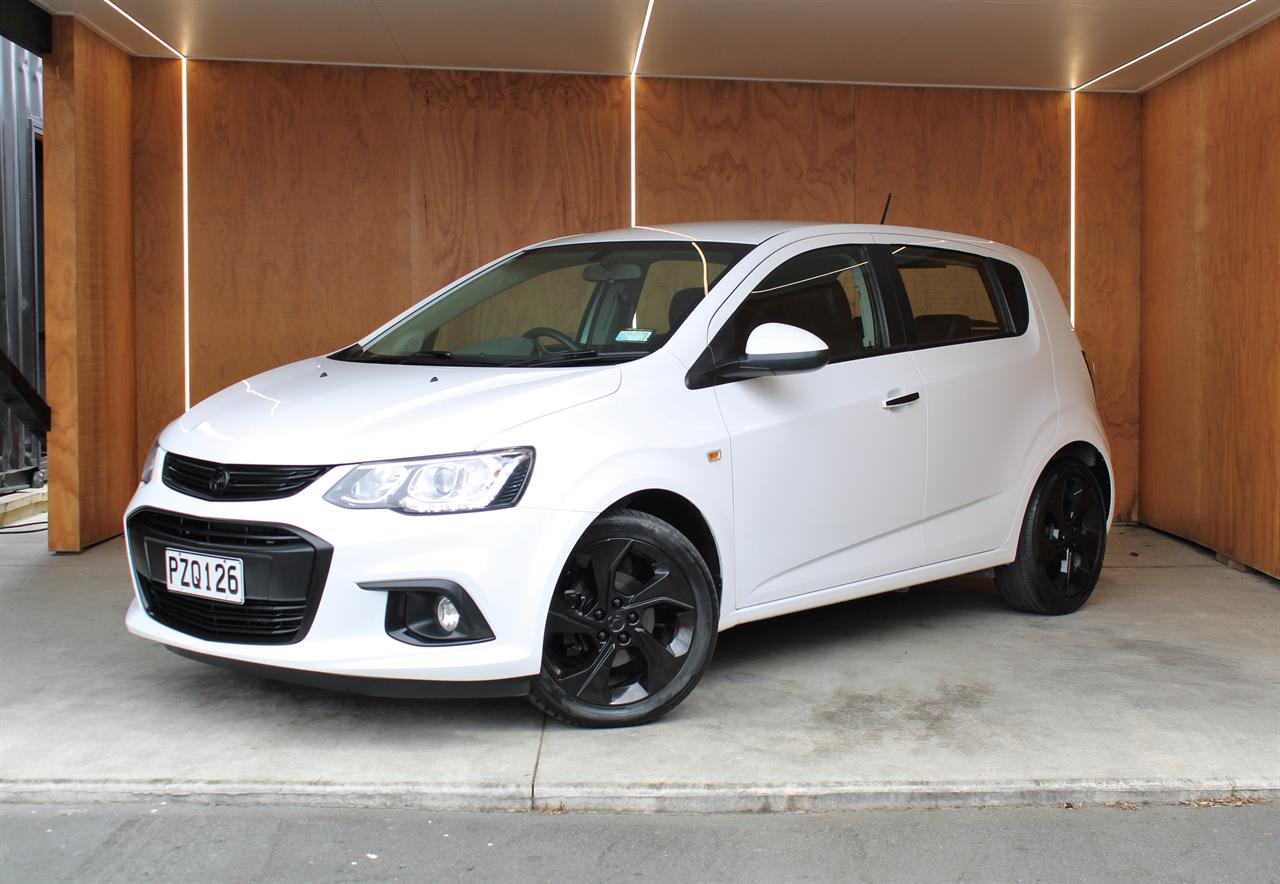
<point>885,213</point>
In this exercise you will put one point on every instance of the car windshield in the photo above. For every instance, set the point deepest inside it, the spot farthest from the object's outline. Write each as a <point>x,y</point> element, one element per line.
<point>559,305</point>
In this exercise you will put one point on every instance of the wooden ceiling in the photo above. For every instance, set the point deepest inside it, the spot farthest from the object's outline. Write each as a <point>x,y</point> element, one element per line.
<point>1033,44</point>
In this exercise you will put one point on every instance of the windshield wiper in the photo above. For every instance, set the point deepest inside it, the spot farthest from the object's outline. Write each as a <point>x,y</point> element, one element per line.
<point>576,356</point>
<point>553,358</point>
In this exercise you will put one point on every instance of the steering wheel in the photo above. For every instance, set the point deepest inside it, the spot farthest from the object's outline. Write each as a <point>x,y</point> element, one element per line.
<point>546,331</point>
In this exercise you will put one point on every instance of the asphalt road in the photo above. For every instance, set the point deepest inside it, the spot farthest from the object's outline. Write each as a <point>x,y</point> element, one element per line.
<point>186,842</point>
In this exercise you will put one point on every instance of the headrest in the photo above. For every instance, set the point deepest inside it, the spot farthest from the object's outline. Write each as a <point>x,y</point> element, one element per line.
<point>683,303</point>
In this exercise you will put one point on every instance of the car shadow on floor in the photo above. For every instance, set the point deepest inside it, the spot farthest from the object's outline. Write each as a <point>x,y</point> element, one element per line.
<point>773,642</point>
<point>929,606</point>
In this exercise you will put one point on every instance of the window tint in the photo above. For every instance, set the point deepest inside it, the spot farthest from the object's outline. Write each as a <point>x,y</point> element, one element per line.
<point>1015,293</point>
<point>952,295</point>
<point>557,298</point>
<point>673,288</point>
<point>828,292</point>
<point>551,301</point>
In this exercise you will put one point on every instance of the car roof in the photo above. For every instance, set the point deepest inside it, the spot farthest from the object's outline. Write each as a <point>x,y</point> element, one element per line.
<point>752,232</point>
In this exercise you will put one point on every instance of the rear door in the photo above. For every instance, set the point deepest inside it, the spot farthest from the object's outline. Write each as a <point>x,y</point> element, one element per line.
<point>988,393</point>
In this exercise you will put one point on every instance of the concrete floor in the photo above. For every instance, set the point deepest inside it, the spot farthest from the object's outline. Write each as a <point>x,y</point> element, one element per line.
<point>1166,685</point>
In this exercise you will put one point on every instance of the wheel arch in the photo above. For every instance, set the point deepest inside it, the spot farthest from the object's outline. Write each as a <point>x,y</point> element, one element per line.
<point>683,515</point>
<point>1089,454</point>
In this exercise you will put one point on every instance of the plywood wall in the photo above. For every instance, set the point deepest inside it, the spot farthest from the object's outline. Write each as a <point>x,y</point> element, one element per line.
<point>503,160</point>
<point>324,200</point>
<point>89,265</point>
<point>1210,364</point>
<point>299,189</point>
<point>719,150</point>
<point>987,162</point>
<point>157,244</point>
<point>1109,269</point>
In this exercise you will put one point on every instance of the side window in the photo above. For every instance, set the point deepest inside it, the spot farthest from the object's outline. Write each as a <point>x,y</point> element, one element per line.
<point>828,292</point>
<point>1015,293</point>
<point>953,296</point>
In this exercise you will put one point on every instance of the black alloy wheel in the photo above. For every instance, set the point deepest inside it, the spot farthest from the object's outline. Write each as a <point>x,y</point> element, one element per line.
<point>631,625</point>
<point>1062,545</point>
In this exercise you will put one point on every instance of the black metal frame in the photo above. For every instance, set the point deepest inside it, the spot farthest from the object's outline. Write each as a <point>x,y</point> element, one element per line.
<point>24,414</point>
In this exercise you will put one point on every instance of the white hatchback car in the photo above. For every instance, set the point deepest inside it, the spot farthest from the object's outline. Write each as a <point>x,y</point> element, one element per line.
<point>563,474</point>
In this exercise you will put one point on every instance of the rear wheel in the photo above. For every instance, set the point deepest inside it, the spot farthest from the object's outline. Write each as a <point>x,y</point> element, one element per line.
<point>1062,543</point>
<point>631,626</point>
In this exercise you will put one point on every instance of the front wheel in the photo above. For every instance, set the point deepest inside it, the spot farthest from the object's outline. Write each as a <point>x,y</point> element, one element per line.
<point>631,626</point>
<point>1062,543</point>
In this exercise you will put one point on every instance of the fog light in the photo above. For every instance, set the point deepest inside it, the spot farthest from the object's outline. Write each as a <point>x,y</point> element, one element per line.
<point>447,614</point>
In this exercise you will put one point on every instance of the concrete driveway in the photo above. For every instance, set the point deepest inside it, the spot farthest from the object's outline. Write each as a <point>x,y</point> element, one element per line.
<point>1165,686</point>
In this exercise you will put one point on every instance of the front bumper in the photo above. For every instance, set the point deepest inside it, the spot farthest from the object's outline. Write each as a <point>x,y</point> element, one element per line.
<point>507,561</point>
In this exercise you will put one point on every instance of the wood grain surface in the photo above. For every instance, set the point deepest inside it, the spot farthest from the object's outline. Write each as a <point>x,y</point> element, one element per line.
<point>1108,271</point>
<point>1210,427</point>
<point>89,287</point>
<point>62,386</point>
<point>157,244</point>
<point>991,163</point>
<point>504,160</point>
<point>299,190</point>
<point>718,150</point>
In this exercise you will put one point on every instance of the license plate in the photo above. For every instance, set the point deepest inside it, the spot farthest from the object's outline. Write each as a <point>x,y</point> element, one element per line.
<point>210,577</point>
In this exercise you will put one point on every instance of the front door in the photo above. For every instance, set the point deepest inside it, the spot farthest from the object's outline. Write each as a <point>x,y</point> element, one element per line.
<point>828,466</point>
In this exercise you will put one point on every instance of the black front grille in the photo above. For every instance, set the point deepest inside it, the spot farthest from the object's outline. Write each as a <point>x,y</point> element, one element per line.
<point>214,481</point>
<point>254,622</point>
<point>284,575</point>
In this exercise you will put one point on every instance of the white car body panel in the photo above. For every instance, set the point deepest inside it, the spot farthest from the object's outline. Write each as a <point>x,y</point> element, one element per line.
<point>812,492</point>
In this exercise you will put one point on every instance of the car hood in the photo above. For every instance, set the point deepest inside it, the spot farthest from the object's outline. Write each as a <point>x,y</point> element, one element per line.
<point>325,411</point>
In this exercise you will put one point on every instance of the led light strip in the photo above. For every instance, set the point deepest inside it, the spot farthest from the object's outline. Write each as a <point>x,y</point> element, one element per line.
<point>186,214</point>
<point>1071,277</point>
<point>635,66</point>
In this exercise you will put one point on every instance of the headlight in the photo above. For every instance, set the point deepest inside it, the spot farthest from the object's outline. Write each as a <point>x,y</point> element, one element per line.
<point>458,484</point>
<point>149,465</point>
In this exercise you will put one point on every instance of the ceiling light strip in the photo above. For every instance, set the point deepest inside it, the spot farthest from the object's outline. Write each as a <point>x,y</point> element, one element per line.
<point>1071,248</point>
<point>1178,39</point>
<point>186,213</point>
<point>635,66</point>
<point>1071,273</point>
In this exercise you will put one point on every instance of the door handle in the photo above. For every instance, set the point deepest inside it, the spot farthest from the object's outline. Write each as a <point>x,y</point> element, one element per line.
<point>905,399</point>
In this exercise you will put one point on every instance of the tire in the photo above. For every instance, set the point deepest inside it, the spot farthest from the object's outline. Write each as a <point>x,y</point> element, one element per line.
<point>631,626</point>
<point>1061,545</point>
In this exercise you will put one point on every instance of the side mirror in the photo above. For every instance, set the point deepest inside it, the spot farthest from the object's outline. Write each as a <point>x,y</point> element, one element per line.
<point>775,348</point>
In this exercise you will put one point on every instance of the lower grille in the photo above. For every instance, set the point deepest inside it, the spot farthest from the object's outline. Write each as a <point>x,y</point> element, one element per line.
<point>284,574</point>
<point>254,622</point>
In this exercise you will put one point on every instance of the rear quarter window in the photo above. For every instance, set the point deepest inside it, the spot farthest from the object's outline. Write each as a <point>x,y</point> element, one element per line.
<point>955,297</point>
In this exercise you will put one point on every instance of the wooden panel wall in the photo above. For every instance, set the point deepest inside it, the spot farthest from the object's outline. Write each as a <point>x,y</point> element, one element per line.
<point>991,163</point>
<point>299,190</point>
<point>88,286</point>
<point>157,244</point>
<point>503,160</point>
<point>1108,271</point>
<point>324,200</point>
<point>719,150</point>
<point>1210,428</point>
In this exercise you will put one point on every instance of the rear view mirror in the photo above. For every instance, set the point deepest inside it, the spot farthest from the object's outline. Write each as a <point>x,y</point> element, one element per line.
<point>611,272</point>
